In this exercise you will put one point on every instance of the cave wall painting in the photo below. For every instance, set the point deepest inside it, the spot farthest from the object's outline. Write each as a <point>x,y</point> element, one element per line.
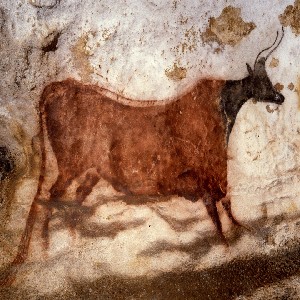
<point>139,154</point>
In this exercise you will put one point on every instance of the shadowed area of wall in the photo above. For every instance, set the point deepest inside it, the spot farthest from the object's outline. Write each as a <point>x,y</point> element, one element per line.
<point>239,277</point>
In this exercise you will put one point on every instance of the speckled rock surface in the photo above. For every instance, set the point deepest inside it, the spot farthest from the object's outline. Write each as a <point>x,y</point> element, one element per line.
<point>164,248</point>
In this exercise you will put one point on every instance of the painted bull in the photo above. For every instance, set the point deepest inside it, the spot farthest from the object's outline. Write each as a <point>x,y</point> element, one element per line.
<point>152,148</point>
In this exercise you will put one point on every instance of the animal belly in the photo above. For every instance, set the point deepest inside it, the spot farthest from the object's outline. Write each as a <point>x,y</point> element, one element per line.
<point>137,169</point>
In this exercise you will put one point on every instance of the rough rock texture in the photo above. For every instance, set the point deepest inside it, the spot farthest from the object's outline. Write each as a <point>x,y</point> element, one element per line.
<point>165,248</point>
<point>227,29</point>
<point>291,17</point>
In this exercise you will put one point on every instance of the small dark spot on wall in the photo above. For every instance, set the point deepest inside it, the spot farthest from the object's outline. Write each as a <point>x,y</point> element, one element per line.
<point>2,19</point>
<point>6,163</point>
<point>278,86</point>
<point>270,110</point>
<point>51,46</point>
<point>291,86</point>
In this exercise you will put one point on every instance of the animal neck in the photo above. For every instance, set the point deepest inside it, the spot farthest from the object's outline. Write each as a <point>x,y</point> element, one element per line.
<point>234,94</point>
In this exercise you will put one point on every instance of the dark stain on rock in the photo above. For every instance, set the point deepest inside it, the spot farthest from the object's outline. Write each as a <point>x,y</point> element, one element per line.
<point>8,177</point>
<point>291,86</point>
<point>227,29</point>
<point>279,87</point>
<point>51,45</point>
<point>2,18</point>
<point>6,163</point>
<point>291,17</point>
<point>270,110</point>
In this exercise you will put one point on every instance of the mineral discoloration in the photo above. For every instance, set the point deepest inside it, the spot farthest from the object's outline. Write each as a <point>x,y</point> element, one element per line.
<point>7,182</point>
<point>50,45</point>
<point>291,17</point>
<point>291,86</point>
<point>176,73</point>
<point>274,62</point>
<point>279,87</point>
<point>81,58</point>
<point>6,163</point>
<point>227,29</point>
<point>270,110</point>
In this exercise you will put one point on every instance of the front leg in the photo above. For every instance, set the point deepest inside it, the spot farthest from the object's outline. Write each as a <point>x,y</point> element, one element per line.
<point>212,210</point>
<point>227,206</point>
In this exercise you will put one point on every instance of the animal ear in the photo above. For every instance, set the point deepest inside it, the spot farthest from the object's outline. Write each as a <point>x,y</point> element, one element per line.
<point>250,71</point>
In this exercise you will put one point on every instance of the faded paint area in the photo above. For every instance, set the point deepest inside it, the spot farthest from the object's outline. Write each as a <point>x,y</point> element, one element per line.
<point>274,63</point>
<point>176,73</point>
<point>271,110</point>
<point>227,29</point>
<point>81,58</point>
<point>279,87</point>
<point>291,86</point>
<point>291,17</point>
<point>50,42</point>
<point>189,42</point>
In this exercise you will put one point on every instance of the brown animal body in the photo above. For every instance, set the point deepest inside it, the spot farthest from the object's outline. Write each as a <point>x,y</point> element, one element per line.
<point>152,148</point>
<point>143,148</point>
<point>175,148</point>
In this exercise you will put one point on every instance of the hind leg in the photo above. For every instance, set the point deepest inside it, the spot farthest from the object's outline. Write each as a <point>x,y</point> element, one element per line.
<point>212,211</point>
<point>57,192</point>
<point>227,206</point>
<point>8,276</point>
<point>85,188</point>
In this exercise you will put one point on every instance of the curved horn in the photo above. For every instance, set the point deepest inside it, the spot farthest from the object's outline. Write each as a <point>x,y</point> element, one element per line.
<point>277,44</point>
<point>266,49</point>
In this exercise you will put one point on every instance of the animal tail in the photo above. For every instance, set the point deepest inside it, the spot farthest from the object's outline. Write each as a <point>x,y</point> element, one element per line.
<point>8,276</point>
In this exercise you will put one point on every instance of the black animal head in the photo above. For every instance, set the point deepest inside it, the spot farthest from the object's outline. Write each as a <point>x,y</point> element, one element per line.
<point>6,163</point>
<point>256,85</point>
<point>262,89</point>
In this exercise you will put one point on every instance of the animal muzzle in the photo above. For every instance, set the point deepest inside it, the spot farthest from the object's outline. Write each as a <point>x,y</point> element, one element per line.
<point>278,99</point>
